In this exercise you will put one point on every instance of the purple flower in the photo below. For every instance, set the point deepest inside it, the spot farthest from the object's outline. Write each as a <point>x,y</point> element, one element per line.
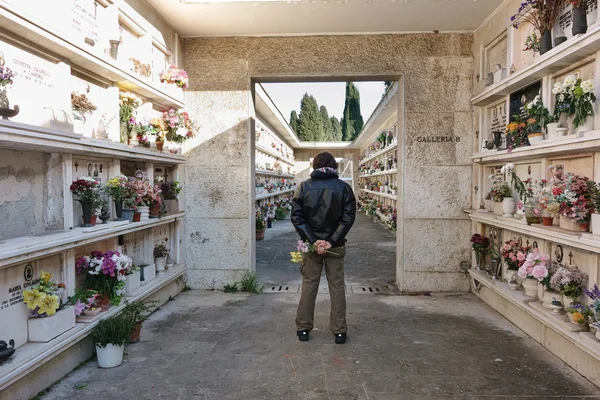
<point>593,294</point>
<point>79,307</point>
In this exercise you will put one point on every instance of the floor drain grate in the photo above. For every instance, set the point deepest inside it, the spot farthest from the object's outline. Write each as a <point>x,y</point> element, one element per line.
<point>281,289</point>
<point>367,290</point>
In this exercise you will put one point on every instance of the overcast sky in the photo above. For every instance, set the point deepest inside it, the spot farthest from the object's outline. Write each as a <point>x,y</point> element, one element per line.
<point>287,96</point>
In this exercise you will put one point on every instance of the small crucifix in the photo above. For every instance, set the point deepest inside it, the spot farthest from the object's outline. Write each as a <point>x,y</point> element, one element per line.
<point>527,243</point>
<point>570,258</point>
<point>76,166</point>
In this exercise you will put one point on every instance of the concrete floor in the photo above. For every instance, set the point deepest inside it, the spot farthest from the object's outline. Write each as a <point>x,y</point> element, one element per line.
<point>370,260</point>
<point>211,345</point>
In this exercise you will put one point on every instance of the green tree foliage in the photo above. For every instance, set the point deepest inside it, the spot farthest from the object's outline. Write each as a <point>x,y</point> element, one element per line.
<point>352,120</point>
<point>327,127</point>
<point>310,126</point>
<point>387,85</point>
<point>294,121</point>
<point>336,129</point>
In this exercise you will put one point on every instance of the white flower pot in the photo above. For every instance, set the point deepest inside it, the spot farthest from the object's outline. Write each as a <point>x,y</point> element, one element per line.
<point>551,130</point>
<point>110,356</point>
<point>508,206</point>
<point>488,205</point>
<point>548,296</point>
<point>132,282</point>
<point>587,126</point>
<point>497,208</point>
<point>531,287</point>
<point>569,224</point>
<point>509,274</point>
<point>596,224</point>
<point>144,213</point>
<point>160,263</point>
<point>148,273</point>
<point>46,329</point>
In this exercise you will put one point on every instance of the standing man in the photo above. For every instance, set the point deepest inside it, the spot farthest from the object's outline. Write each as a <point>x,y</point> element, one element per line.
<point>323,211</point>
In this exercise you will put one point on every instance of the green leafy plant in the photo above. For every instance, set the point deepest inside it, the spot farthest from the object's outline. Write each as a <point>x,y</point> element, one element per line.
<point>230,288</point>
<point>260,222</point>
<point>161,250</point>
<point>280,213</point>
<point>114,330</point>
<point>249,283</point>
<point>139,311</point>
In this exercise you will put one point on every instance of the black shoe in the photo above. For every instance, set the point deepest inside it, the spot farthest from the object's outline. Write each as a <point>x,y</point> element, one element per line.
<point>302,335</point>
<point>340,338</point>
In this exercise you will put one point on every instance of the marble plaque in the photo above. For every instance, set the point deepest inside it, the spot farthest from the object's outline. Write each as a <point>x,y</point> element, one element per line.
<point>14,281</point>
<point>40,88</point>
<point>496,117</point>
<point>563,26</point>
<point>495,54</point>
<point>136,246</point>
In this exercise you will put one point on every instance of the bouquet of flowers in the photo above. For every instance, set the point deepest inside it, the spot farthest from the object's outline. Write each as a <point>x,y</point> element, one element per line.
<point>86,190</point>
<point>533,42</point>
<point>83,300</point>
<point>480,244</point>
<point>579,313</point>
<point>539,113</point>
<point>170,190</point>
<point>106,272</point>
<point>7,76</point>
<point>117,187</point>
<point>574,197</point>
<point>594,295</point>
<point>568,281</point>
<point>180,126</point>
<point>541,14</point>
<point>514,254</point>
<point>534,266</point>
<point>143,193</point>
<point>574,97</point>
<point>45,298</point>
<point>303,249</point>
<point>175,75</point>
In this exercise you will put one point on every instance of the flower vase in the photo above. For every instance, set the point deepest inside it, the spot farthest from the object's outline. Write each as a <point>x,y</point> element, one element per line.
<point>124,134</point>
<point>119,210</point>
<point>269,224</point>
<point>136,216</point>
<point>497,208</point>
<point>498,140</point>
<point>588,125</point>
<point>546,42</point>
<point>532,214</point>
<point>128,214</point>
<point>87,214</point>
<point>144,213</point>
<point>159,146</point>
<point>579,20</point>
<point>508,207</point>
<point>551,130</point>
<point>488,205</point>
<point>584,226</point>
<point>155,210</point>
<point>495,265</point>
<point>547,221</point>
<point>160,263</point>
<point>103,301</point>
<point>531,287</point>
<point>5,111</point>
<point>478,258</point>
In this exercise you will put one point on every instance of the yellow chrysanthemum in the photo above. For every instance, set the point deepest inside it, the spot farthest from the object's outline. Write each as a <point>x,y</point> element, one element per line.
<point>33,298</point>
<point>49,305</point>
<point>578,317</point>
<point>296,256</point>
<point>45,277</point>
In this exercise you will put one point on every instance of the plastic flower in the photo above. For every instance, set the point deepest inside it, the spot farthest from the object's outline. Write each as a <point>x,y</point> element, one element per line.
<point>45,277</point>
<point>570,81</point>
<point>296,256</point>
<point>79,307</point>
<point>558,88</point>
<point>49,305</point>
<point>587,86</point>
<point>33,298</point>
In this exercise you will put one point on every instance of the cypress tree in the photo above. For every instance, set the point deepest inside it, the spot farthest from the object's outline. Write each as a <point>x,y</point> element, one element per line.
<point>347,126</point>
<point>336,130</point>
<point>327,128</point>
<point>310,125</point>
<point>294,121</point>
<point>352,120</point>
<point>355,113</point>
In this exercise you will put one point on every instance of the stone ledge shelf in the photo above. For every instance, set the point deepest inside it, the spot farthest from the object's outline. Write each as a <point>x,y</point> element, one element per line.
<point>35,32</point>
<point>392,146</point>
<point>388,196</point>
<point>25,248</point>
<point>572,345</point>
<point>24,137</point>
<point>272,173</point>
<point>386,172</point>
<point>550,233</point>
<point>573,50</point>
<point>587,144</point>
<point>274,194</point>
<point>273,153</point>
<point>33,355</point>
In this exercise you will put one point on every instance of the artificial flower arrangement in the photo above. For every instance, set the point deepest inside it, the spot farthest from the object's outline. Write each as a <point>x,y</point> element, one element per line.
<point>143,194</point>
<point>106,273</point>
<point>574,97</point>
<point>45,298</point>
<point>514,254</point>
<point>86,190</point>
<point>84,302</point>
<point>7,76</point>
<point>305,248</point>
<point>128,104</point>
<point>573,194</point>
<point>534,266</point>
<point>143,69</point>
<point>594,295</point>
<point>170,190</point>
<point>516,134</point>
<point>175,76</point>
<point>480,244</point>
<point>569,282</point>
<point>540,115</point>
<point>541,14</point>
<point>117,187</point>
<point>81,105</point>
<point>180,127</point>
<point>533,43</point>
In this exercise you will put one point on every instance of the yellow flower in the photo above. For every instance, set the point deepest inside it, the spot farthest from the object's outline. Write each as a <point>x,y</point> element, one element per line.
<point>578,317</point>
<point>45,277</point>
<point>49,305</point>
<point>33,298</point>
<point>296,256</point>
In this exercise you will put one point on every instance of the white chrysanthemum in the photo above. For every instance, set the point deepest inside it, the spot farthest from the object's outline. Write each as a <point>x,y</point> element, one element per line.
<point>569,82</point>
<point>510,167</point>
<point>587,86</point>
<point>558,88</point>
<point>561,97</point>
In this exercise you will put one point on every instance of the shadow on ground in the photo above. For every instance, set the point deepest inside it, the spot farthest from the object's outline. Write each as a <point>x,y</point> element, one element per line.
<point>209,345</point>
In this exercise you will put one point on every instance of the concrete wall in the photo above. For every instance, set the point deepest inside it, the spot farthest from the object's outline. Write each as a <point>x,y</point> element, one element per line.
<point>437,72</point>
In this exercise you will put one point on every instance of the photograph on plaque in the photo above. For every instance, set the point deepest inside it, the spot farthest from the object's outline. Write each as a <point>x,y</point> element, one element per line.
<point>520,98</point>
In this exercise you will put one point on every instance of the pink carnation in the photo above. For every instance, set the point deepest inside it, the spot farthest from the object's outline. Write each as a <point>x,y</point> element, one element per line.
<point>539,272</point>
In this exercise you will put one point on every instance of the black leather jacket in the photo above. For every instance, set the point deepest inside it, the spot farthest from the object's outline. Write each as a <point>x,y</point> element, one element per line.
<point>323,208</point>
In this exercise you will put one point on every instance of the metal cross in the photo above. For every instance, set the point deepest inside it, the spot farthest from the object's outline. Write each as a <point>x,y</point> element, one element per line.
<point>570,258</point>
<point>76,166</point>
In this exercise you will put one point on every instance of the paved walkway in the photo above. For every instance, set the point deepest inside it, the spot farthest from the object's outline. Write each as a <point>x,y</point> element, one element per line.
<point>211,345</point>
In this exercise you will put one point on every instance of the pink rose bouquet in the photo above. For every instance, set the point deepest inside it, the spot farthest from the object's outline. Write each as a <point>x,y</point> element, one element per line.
<point>534,266</point>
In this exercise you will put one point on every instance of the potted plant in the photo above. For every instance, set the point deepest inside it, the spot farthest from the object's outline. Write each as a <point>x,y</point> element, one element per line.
<point>86,190</point>
<point>161,253</point>
<point>569,282</point>
<point>49,314</point>
<point>110,337</point>
<point>175,76</point>
<point>180,127</point>
<point>137,312</point>
<point>542,15</point>
<point>533,271</point>
<point>582,105</point>
<point>118,188</point>
<point>579,14</point>
<point>280,213</point>
<point>540,117</point>
<point>105,273</point>
<point>514,256</point>
<point>128,104</point>
<point>84,302</point>
<point>576,206</point>
<point>481,246</point>
<point>260,227</point>
<point>579,314</point>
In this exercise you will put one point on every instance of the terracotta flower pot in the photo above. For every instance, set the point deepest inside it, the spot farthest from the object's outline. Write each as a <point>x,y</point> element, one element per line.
<point>136,216</point>
<point>154,210</point>
<point>103,301</point>
<point>135,334</point>
<point>260,235</point>
<point>547,221</point>
<point>584,226</point>
<point>159,146</point>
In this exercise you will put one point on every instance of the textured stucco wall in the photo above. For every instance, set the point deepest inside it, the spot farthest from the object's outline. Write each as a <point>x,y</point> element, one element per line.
<point>437,72</point>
